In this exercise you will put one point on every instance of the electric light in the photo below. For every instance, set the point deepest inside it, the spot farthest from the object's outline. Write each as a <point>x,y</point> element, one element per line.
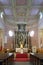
<point>2,14</point>
<point>40,15</point>
<point>11,33</point>
<point>31,33</point>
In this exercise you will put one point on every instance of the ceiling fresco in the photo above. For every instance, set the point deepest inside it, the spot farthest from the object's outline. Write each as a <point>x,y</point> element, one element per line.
<point>21,10</point>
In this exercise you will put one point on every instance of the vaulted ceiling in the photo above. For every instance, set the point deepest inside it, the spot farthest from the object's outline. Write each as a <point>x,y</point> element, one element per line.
<point>21,11</point>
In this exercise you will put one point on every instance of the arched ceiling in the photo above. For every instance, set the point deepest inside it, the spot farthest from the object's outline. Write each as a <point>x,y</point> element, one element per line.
<point>21,11</point>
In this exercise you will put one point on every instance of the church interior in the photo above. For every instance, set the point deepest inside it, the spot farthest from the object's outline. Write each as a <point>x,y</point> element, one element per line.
<point>21,32</point>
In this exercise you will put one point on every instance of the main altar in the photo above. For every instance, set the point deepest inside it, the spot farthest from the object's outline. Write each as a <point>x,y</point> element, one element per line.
<point>22,43</point>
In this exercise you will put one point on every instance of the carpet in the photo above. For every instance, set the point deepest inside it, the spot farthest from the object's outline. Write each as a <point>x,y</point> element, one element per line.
<point>19,55</point>
<point>22,57</point>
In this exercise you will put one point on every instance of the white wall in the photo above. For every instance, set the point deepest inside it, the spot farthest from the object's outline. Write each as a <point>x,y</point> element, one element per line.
<point>39,28</point>
<point>41,22</point>
<point>2,28</point>
<point>1,23</point>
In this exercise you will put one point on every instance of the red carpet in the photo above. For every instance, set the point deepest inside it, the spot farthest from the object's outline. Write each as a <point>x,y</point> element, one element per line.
<point>19,55</point>
<point>22,57</point>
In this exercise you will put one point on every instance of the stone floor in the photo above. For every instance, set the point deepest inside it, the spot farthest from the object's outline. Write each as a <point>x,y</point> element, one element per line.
<point>22,63</point>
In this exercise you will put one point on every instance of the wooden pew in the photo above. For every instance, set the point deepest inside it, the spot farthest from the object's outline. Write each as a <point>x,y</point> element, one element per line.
<point>37,58</point>
<point>5,58</point>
